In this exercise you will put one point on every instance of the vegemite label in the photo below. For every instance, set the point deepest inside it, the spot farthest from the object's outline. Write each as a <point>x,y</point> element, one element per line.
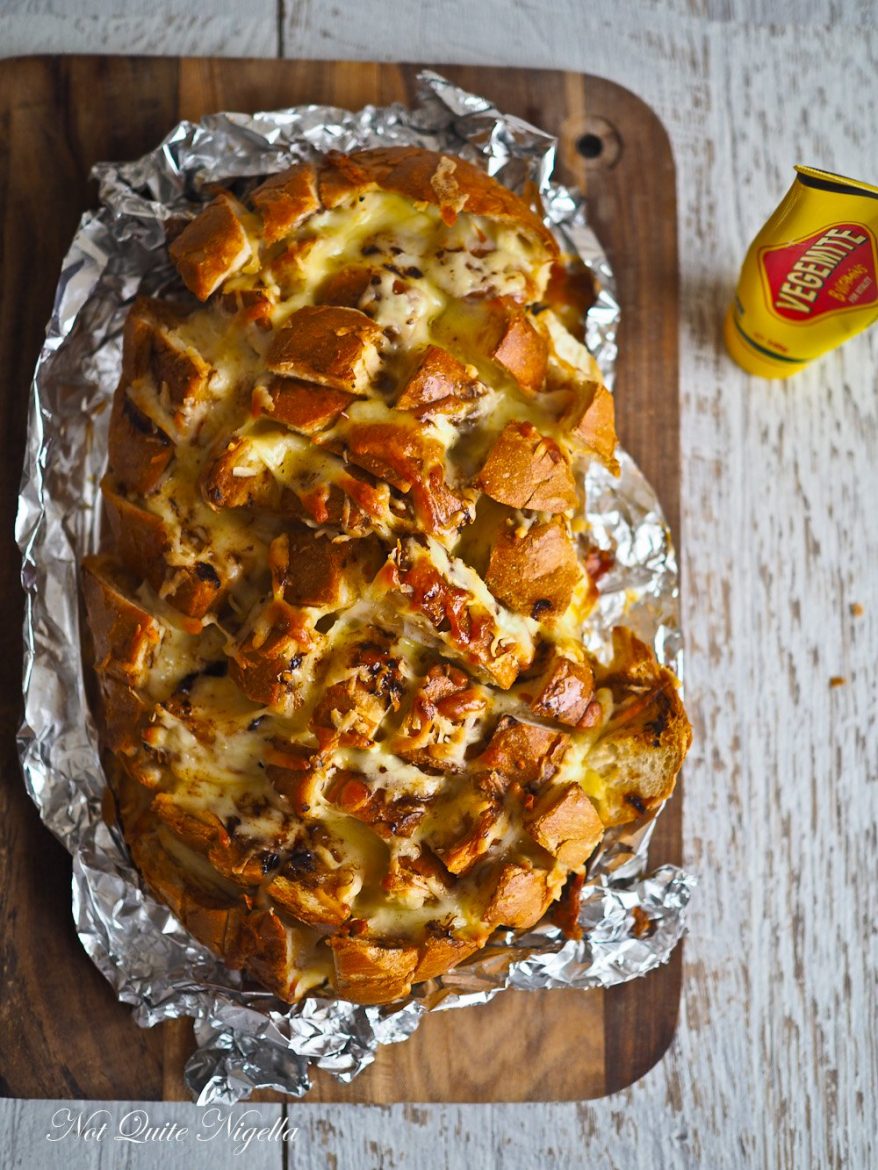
<point>830,271</point>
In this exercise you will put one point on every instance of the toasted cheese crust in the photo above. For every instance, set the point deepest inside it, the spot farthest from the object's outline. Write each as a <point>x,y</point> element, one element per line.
<point>338,628</point>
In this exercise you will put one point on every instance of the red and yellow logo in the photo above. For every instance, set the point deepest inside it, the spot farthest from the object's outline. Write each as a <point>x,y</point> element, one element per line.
<point>833,270</point>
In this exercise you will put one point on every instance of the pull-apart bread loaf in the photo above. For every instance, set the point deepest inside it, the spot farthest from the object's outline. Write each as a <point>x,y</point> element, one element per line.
<point>338,631</point>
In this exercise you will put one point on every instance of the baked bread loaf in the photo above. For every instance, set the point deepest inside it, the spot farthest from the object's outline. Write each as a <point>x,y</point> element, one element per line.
<point>348,718</point>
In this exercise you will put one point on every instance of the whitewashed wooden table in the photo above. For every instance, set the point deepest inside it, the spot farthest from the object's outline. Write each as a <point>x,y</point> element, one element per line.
<point>775,1062</point>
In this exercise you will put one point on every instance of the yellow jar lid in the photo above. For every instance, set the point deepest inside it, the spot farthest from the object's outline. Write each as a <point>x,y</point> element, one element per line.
<point>752,359</point>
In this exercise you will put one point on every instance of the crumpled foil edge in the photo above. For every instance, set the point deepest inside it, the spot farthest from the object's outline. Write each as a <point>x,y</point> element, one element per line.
<point>247,1038</point>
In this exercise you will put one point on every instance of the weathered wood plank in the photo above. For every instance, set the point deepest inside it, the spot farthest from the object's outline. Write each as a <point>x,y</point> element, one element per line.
<point>128,1135</point>
<point>161,28</point>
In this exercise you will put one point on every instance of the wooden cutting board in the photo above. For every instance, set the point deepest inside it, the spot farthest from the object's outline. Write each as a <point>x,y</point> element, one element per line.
<point>62,1033</point>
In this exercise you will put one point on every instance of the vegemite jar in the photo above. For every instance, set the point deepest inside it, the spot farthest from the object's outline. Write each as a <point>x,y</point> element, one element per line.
<point>810,279</point>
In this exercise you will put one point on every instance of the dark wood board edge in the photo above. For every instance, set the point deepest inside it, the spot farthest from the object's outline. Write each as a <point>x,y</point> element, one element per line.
<point>62,1032</point>
<point>636,1035</point>
<point>639,1018</point>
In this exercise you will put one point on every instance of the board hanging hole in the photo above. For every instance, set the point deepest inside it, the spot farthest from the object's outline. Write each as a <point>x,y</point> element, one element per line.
<point>590,146</point>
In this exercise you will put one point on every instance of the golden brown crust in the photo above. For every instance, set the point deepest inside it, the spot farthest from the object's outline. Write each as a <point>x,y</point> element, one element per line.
<point>455,613</point>
<point>315,903</point>
<point>439,384</point>
<point>139,450</point>
<point>212,247</point>
<point>221,240</point>
<point>522,350</point>
<point>233,480</point>
<point>163,392</point>
<point>320,571</point>
<point>565,691</point>
<point>123,712</point>
<point>327,344</point>
<point>179,371</point>
<point>303,406</point>
<point>124,635</point>
<point>268,660</point>
<point>349,723</point>
<point>436,725</point>
<point>534,573</point>
<point>347,286</point>
<point>525,469</point>
<point>285,200</point>
<point>565,823</point>
<point>451,184</point>
<point>141,539</point>
<point>440,954</point>
<point>461,848</point>
<point>524,753</point>
<point>143,544</point>
<point>641,748</point>
<point>202,831</point>
<point>592,423</point>
<point>265,948</point>
<point>372,971</point>
<point>413,464</point>
<point>521,896</point>
<point>369,683</point>
<point>391,817</point>
<point>570,292</point>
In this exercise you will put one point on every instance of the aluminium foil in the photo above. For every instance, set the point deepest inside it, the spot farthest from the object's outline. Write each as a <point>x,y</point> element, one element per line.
<point>247,1038</point>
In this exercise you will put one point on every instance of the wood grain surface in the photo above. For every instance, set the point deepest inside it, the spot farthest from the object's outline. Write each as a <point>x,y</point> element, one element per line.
<point>545,1045</point>
<point>773,1065</point>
